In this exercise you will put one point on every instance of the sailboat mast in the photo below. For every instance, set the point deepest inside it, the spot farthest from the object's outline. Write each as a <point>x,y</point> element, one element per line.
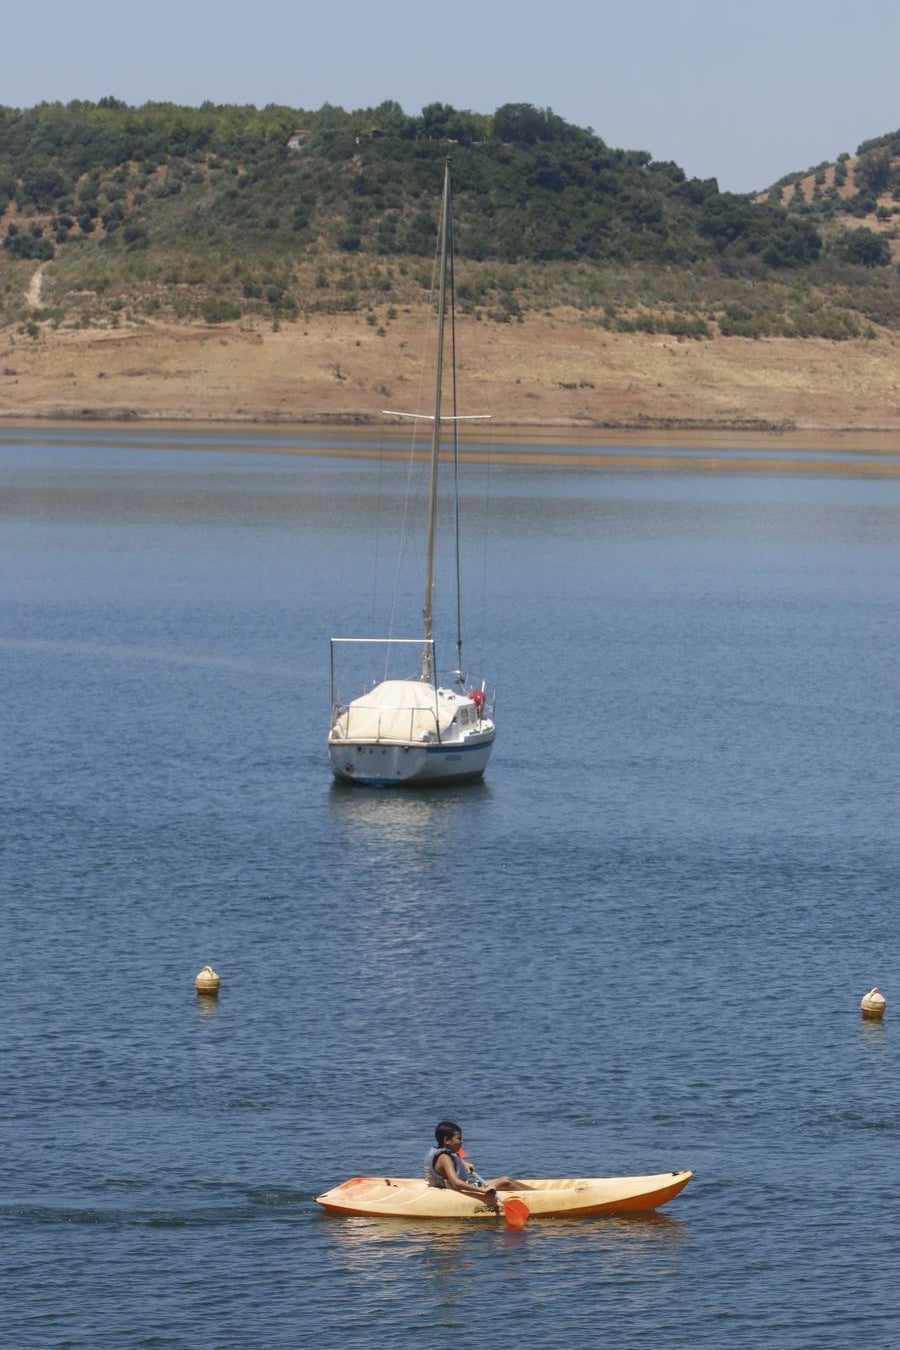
<point>428,671</point>
<point>459,639</point>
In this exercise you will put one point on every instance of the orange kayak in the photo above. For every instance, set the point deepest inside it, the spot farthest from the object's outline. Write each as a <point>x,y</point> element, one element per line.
<point>562,1197</point>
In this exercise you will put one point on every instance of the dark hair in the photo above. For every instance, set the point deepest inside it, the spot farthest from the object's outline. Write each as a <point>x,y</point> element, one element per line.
<point>446,1129</point>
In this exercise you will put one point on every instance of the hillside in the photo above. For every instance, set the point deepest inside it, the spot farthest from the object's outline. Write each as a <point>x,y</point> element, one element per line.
<point>220,213</point>
<point>853,202</point>
<point>135,239</point>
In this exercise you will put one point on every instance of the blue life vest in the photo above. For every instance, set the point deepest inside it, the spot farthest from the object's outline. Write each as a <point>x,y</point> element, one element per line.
<point>435,1179</point>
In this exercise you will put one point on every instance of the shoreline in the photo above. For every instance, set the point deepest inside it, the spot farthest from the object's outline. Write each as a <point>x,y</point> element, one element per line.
<point>550,380</point>
<point>870,454</point>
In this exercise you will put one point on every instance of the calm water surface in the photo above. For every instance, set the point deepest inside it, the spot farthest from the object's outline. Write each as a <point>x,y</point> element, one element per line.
<point>639,945</point>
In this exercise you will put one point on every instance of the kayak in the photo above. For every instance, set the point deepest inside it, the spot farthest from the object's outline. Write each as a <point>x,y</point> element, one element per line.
<point>563,1197</point>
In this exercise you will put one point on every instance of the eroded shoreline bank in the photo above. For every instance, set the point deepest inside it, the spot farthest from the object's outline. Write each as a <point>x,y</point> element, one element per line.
<point>551,380</point>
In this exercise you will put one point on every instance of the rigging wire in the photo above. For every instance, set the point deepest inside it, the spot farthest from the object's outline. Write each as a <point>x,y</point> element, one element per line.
<point>451,246</point>
<point>411,493</point>
<point>474,338</point>
<point>378,518</point>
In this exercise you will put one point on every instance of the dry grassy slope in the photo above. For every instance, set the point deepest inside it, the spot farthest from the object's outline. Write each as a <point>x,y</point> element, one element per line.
<point>879,225</point>
<point>549,371</point>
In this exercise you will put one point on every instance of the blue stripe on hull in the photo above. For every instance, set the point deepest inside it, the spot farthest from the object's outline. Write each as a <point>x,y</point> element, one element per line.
<point>455,781</point>
<point>453,749</point>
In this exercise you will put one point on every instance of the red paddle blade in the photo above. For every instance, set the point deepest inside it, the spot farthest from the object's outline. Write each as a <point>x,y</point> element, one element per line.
<point>516,1212</point>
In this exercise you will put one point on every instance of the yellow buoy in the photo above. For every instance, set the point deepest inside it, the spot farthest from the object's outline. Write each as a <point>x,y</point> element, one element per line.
<point>873,1003</point>
<point>207,982</point>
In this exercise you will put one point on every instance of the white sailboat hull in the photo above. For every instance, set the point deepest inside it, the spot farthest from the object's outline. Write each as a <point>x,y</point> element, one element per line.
<point>398,764</point>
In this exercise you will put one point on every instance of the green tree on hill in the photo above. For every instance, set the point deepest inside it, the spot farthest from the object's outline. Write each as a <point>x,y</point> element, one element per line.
<point>865,248</point>
<point>874,171</point>
<point>523,124</point>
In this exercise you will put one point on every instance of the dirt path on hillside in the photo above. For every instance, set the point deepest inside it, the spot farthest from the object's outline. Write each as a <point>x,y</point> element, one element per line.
<point>33,293</point>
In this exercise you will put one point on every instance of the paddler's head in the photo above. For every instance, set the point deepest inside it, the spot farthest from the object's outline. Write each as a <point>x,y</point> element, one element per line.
<point>448,1135</point>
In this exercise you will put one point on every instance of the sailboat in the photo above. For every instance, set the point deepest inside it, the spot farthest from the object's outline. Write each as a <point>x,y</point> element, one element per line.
<point>426,729</point>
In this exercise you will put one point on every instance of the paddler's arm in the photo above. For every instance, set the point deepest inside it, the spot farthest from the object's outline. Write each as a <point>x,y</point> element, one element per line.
<point>444,1167</point>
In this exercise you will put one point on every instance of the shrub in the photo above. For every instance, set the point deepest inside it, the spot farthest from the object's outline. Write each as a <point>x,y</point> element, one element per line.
<point>27,243</point>
<point>865,248</point>
<point>43,188</point>
<point>216,310</point>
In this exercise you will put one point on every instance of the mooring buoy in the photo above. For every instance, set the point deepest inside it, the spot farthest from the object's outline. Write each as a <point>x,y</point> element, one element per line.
<point>207,982</point>
<point>873,1003</point>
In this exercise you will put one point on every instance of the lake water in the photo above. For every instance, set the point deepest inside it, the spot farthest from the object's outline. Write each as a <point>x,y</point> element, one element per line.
<point>639,945</point>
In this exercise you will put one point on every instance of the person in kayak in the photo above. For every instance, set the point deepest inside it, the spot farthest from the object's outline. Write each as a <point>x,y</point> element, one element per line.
<point>445,1169</point>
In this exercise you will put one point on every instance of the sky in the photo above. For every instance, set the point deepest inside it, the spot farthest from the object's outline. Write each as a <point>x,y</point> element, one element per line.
<point>743,93</point>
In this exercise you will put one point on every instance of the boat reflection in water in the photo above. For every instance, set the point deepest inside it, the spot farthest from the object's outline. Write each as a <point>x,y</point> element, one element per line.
<point>406,817</point>
<point>439,1259</point>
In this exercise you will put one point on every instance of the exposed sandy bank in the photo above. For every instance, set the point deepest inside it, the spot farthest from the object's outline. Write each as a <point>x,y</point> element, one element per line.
<point>543,374</point>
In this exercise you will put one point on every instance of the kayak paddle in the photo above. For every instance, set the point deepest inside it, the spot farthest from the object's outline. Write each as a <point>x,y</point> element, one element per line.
<point>515,1211</point>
